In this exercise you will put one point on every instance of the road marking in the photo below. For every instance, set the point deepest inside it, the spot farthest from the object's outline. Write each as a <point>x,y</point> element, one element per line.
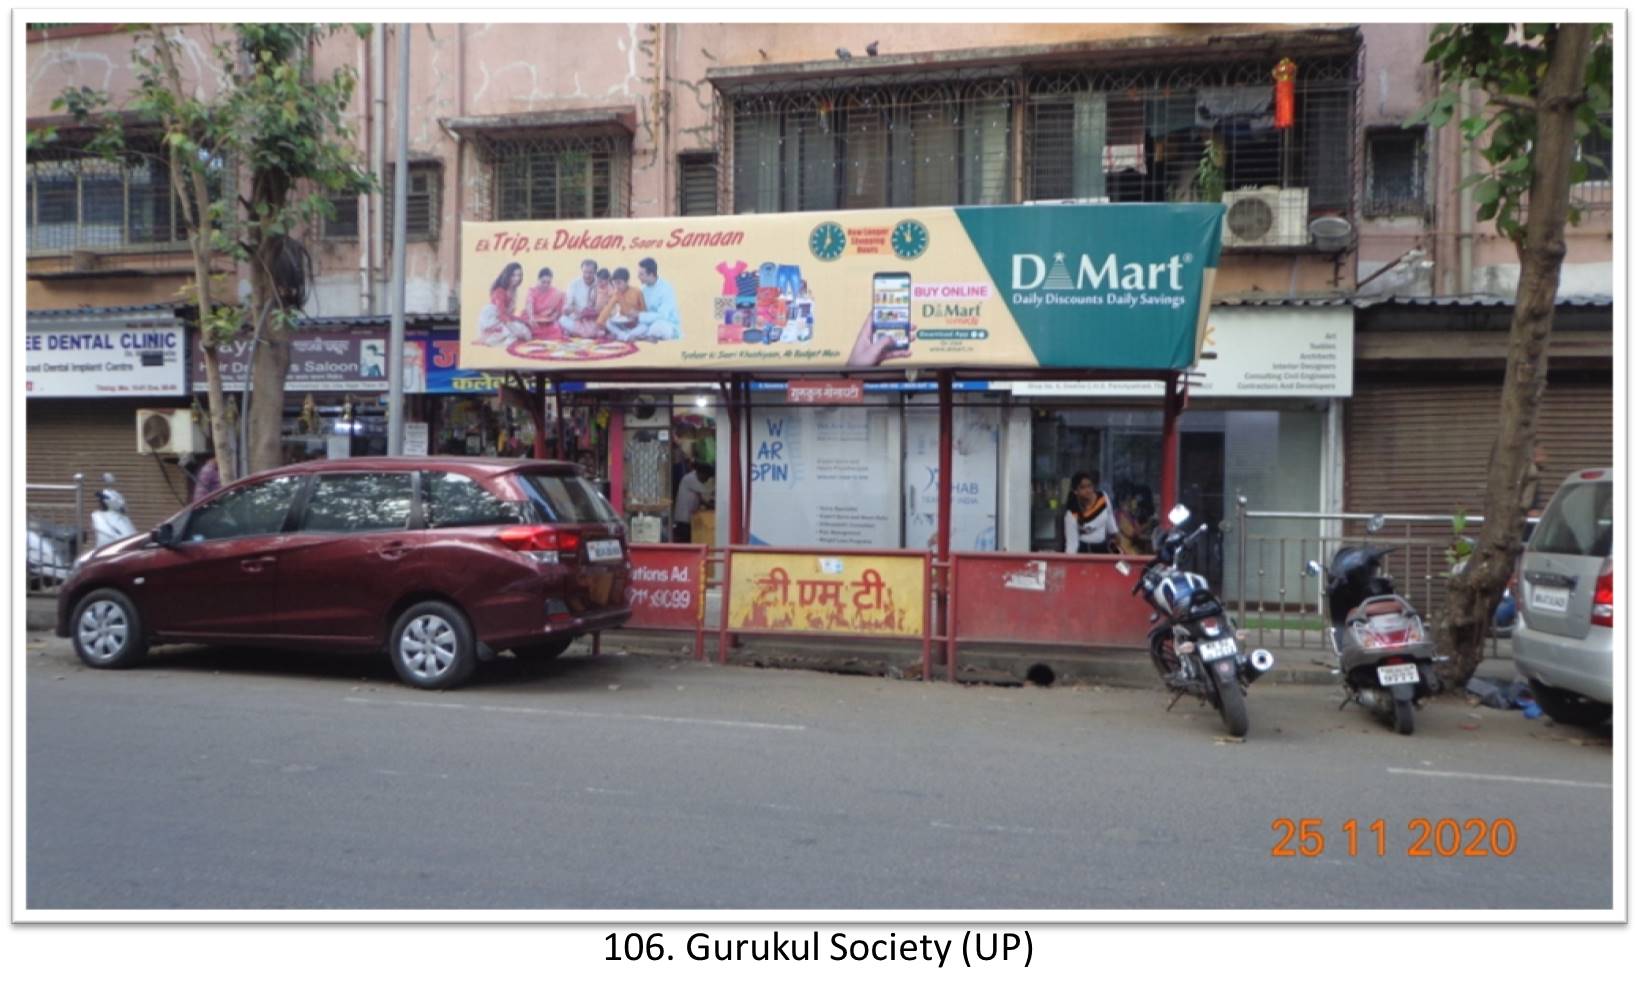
<point>579,714</point>
<point>1499,778</point>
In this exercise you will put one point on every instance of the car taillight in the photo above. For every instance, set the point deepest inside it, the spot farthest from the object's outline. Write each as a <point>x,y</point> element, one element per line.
<point>542,543</point>
<point>1603,609</point>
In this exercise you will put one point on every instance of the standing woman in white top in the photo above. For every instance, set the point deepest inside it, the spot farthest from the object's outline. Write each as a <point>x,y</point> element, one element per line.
<point>1088,520</point>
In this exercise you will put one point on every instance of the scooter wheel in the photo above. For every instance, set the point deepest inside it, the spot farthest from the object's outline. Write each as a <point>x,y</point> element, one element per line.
<point>1404,717</point>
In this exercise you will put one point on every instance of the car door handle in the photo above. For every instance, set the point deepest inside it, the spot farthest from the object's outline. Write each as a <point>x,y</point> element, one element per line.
<point>391,551</point>
<point>254,565</point>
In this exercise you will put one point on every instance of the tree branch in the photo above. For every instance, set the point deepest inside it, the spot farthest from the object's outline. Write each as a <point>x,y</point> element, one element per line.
<point>1514,101</point>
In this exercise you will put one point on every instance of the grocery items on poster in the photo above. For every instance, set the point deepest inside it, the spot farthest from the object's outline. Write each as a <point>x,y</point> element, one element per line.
<point>770,305</point>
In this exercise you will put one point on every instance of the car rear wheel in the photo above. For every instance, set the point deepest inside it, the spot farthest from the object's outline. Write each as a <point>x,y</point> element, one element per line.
<point>1569,708</point>
<point>432,646</point>
<point>107,631</point>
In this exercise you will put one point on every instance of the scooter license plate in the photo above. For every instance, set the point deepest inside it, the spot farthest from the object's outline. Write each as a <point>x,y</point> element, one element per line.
<point>1397,674</point>
<point>1217,648</point>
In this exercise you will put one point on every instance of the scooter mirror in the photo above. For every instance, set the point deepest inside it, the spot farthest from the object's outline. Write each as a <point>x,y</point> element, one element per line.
<point>1375,523</point>
<point>1120,565</point>
<point>1178,515</point>
<point>107,477</point>
<point>1313,569</point>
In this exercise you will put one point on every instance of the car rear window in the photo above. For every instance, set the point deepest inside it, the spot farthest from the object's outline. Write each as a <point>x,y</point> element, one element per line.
<point>566,498</point>
<point>457,500</point>
<point>1579,523</point>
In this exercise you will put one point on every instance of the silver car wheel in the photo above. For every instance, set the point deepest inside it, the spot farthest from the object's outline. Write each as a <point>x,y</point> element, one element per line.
<point>103,631</point>
<point>428,646</point>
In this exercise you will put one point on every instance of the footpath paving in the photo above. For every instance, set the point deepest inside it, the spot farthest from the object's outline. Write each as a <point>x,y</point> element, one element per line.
<point>1299,657</point>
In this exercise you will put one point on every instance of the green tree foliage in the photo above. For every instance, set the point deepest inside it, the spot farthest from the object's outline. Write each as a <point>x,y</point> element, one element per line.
<point>255,150</point>
<point>1545,88</point>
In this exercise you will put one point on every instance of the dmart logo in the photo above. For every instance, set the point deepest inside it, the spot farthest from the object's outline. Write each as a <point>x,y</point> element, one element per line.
<point>1107,281</point>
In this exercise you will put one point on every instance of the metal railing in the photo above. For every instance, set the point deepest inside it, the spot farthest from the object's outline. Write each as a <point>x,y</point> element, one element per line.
<point>1285,606</point>
<point>56,532</point>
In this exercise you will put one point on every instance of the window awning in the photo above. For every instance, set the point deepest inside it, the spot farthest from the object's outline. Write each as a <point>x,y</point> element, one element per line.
<point>605,120</point>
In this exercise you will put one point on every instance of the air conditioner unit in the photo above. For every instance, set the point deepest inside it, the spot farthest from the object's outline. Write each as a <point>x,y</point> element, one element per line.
<point>1270,216</point>
<point>168,432</point>
<point>648,412</point>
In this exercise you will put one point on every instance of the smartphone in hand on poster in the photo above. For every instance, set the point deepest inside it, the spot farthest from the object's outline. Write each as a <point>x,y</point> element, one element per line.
<point>890,307</point>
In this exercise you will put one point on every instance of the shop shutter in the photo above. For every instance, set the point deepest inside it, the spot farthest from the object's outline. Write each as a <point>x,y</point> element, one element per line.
<point>1424,448</point>
<point>91,436</point>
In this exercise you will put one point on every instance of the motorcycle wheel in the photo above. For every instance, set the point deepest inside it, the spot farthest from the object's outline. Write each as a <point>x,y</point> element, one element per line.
<point>1404,717</point>
<point>1231,704</point>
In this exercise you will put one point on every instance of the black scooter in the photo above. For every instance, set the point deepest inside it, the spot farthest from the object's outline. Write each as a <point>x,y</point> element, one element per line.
<point>1195,647</point>
<point>1382,649</point>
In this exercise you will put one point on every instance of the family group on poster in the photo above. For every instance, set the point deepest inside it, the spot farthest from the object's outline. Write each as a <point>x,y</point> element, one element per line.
<point>601,305</point>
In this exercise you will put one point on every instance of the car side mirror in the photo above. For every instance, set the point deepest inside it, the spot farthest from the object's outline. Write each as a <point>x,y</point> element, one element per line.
<point>165,535</point>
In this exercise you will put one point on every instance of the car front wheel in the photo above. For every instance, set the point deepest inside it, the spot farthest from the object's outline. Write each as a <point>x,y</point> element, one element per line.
<point>107,631</point>
<point>432,646</point>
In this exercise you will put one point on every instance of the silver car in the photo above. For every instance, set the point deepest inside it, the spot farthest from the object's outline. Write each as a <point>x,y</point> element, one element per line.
<point>1564,641</point>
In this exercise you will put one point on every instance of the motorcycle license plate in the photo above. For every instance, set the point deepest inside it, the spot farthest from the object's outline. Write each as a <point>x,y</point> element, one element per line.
<point>1397,674</point>
<point>1550,599</point>
<point>600,550</point>
<point>1218,648</point>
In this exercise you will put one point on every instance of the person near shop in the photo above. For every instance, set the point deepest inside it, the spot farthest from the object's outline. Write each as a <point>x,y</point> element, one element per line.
<point>1088,521</point>
<point>694,493</point>
<point>545,309</point>
<point>580,313</point>
<point>619,318</point>
<point>207,477</point>
<point>499,324</point>
<point>660,319</point>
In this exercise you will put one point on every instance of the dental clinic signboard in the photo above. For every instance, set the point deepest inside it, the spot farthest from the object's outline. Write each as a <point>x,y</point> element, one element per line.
<point>1073,286</point>
<point>99,359</point>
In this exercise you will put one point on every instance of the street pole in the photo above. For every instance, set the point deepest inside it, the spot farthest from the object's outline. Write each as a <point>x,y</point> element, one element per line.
<point>400,200</point>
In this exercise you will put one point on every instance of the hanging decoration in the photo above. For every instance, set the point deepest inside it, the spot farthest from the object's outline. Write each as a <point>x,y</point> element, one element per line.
<point>1285,93</point>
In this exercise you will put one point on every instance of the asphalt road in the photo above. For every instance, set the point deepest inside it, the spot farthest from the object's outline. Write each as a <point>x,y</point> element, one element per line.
<point>210,779</point>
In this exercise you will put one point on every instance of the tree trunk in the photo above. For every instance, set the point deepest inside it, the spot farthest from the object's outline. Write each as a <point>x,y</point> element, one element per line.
<point>193,195</point>
<point>1476,591</point>
<point>272,362</point>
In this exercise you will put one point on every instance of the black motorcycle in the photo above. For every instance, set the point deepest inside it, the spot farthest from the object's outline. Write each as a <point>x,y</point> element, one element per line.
<point>1195,646</point>
<point>1383,651</point>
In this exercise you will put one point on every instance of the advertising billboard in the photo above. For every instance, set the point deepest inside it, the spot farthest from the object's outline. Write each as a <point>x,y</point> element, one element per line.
<point>1071,286</point>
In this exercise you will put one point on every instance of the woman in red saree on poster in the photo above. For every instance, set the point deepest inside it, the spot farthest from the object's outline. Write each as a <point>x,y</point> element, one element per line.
<point>499,324</point>
<point>545,307</point>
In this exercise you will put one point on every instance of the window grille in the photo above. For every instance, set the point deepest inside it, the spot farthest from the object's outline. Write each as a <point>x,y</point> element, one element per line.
<point>697,183</point>
<point>1193,132</point>
<point>84,204</point>
<point>543,178</point>
<point>1394,172</point>
<point>875,146</point>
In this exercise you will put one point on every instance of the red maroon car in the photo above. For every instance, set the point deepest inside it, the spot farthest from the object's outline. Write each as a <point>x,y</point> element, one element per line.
<point>440,561</point>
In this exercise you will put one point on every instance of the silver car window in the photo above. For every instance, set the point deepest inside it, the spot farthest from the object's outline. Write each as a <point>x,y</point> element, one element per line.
<point>1580,522</point>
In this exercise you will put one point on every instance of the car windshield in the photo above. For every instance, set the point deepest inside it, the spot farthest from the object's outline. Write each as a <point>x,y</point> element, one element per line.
<point>1580,522</point>
<point>566,498</point>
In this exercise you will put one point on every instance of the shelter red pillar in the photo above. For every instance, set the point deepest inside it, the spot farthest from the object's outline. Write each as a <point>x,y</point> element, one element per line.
<point>946,442</point>
<point>537,414</point>
<point>736,533</point>
<point>1169,445</point>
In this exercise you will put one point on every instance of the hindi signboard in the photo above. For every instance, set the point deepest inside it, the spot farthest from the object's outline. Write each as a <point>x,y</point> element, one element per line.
<point>809,592</point>
<point>1115,286</point>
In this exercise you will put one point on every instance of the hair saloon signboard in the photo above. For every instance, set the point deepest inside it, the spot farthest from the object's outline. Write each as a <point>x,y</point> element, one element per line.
<point>1111,286</point>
